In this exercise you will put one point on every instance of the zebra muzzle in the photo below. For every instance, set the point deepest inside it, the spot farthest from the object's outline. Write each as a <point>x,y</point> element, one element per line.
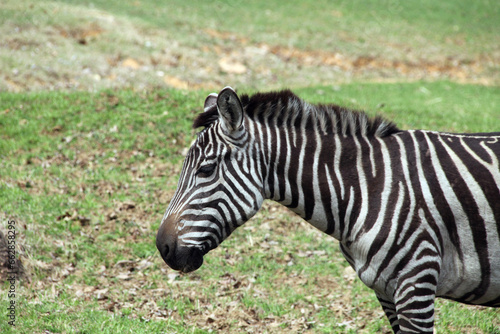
<point>177,257</point>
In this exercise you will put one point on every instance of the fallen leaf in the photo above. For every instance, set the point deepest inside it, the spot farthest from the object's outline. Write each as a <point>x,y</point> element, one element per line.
<point>127,205</point>
<point>64,215</point>
<point>125,263</point>
<point>144,264</point>
<point>101,294</point>
<point>349,274</point>
<point>172,276</point>
<point>130,63</point>
<point>56,129</point>
<point>176,82</point>
<point>124,276</point>
<point>231,66</point>
<point>84,221</point>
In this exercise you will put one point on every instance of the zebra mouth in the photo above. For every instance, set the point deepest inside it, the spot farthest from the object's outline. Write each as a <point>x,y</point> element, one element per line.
<point>184,259</point>
<point>176,254</point>
<point>189,260</point>
<point>177,257</point>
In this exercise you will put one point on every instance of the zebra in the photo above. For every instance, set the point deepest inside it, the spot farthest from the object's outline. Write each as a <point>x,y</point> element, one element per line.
<point>416,213</point>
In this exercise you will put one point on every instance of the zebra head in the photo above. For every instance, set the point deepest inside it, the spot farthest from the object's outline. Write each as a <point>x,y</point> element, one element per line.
<point>218,189</point>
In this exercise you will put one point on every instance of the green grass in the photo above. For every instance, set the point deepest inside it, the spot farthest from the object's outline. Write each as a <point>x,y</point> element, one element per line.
<point>66,314</point>
<point>440,105</point>
<point>87,177</point>
<point>456,26</point>
<point>92,45</point>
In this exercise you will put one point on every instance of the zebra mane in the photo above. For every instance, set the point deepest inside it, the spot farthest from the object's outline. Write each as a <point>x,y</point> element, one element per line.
<point>284,108</point>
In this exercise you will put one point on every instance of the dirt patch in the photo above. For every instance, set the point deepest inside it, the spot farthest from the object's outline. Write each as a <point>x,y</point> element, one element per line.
<point>451,68</point>
<point>111,52</point>
<point>83,35</point>
<point>448,68</point>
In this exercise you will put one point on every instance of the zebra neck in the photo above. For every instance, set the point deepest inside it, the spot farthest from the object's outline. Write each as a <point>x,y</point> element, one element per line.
<point>325,179</point>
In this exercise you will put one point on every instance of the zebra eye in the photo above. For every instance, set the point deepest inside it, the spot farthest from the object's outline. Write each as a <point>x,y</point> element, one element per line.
<point>206,170</point>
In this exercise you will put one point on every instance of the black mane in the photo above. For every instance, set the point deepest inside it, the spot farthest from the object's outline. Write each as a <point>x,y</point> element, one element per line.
<point>206,118</point>
<point>278,106</point>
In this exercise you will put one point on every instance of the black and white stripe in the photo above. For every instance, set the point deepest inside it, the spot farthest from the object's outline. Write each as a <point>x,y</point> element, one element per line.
<point>417,213</point>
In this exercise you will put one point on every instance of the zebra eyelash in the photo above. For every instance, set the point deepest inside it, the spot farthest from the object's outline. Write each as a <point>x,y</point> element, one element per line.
<point>206,170</point>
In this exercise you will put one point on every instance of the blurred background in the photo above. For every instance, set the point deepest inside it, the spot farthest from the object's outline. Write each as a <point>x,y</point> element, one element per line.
<point>89,45</point>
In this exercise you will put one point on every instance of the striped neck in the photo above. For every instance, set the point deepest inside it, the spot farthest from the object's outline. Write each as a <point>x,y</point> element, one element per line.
<point>308,157</point>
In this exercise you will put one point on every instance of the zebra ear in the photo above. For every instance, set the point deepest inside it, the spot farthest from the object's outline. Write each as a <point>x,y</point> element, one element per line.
<point>210,101</point>
<point>230,109</point>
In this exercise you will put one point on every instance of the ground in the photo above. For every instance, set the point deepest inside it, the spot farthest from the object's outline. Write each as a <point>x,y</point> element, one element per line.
<point>96,104</point>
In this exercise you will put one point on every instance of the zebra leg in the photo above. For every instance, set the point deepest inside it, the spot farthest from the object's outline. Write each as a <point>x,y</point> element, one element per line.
<point>390,311</point>
<point>415,309</point>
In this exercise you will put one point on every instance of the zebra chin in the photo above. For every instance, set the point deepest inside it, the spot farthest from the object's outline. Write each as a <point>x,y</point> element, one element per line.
<point>185,259</point>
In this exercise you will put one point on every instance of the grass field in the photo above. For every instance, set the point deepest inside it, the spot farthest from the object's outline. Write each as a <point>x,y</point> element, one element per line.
<point>90,45</point>
<point>87,177</point>
<point>96,105</point>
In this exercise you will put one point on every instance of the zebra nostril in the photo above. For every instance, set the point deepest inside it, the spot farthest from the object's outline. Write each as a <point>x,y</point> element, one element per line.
<point>166,249</point>
<point>162,243</point>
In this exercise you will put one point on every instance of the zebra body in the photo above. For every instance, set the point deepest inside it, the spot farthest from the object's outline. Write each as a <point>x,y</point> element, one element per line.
<point>417,213</point>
